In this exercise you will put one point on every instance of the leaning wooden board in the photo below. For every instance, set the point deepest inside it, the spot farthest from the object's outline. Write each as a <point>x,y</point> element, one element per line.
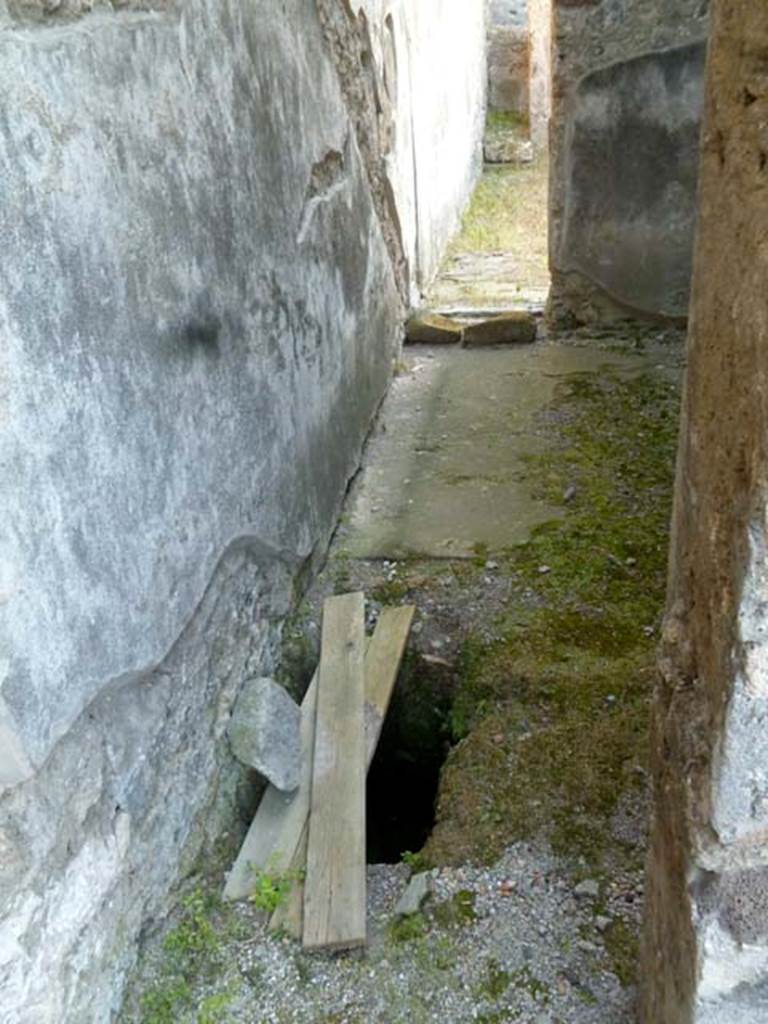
<point>335,883</point>
<point>277,838</point>
<point>382,664</point>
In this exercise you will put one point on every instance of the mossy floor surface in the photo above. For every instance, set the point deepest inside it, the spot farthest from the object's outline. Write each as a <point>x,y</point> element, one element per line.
<point>548,650</point>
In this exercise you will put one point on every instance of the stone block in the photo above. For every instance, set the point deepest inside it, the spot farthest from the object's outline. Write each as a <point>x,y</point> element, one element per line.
<point>264,732</point>
<point>513,328</point>
<point>426,328</point>
<point>416,892</point>
<point>507,149</point>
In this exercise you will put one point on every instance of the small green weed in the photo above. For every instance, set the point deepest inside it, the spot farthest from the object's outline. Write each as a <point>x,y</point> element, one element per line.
<point>163,1003</point>
<point>272,888</point>
<point>460,910</point>
<point>195,938</point>
<point>417,862</point>
<point>408,928</point>
<point>526,980</point>
<point>213,1008</point>
<point>497,980</point>
<point>192,954</point>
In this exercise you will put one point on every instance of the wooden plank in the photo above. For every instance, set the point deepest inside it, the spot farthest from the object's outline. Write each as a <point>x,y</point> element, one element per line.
<point>277,838</point>
<point>334,888</point>
<point>277,826</point>
<point>382,663</point>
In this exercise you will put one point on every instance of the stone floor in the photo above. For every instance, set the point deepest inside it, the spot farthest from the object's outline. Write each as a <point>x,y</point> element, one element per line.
<point>444,474</point>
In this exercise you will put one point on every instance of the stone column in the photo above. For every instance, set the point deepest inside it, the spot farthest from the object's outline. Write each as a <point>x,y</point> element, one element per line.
<point>705,955</point>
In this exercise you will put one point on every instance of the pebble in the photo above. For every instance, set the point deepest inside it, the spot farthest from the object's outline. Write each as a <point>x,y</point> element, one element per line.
<point>588,889</point>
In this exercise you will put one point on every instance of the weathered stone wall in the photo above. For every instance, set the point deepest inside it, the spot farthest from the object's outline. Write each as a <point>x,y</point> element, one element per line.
<point>509,69</point>
<point>627,98</point>
<point>201,293</point>
<point>509,57</point>
<point>706,943</point>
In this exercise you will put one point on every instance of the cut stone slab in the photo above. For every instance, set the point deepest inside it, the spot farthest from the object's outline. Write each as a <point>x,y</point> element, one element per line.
<point>446,470</point>
<point>513,328</point>
<point>264,732</point>
<point>417,891</point>
<point>507,150</point>
<point>425,328</point>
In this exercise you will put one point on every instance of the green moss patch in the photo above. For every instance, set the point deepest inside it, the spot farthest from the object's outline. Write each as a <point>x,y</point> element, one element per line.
<point>552,719</point>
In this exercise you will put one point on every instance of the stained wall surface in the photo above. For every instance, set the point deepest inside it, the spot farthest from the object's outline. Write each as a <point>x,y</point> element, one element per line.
<point>204,270</point>
<point>705,958</point>
<point>431,59</point>
<point>627,101</point>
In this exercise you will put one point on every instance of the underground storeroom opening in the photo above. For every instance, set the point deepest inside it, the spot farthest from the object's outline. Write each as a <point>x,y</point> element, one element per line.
<point>191,506</point>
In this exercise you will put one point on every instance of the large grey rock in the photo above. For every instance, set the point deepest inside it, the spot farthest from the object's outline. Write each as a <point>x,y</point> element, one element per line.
<point>264,732</point>
<point>415,894</point>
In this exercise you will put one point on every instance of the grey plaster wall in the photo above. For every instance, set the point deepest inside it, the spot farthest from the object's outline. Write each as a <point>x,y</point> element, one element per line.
<point>430,63</point>
<point>603,51</point>
<point>198,315</point>
<point>197,326</point>
<point>632,167</point>
<point>418,103</point>
<point>202,286</point>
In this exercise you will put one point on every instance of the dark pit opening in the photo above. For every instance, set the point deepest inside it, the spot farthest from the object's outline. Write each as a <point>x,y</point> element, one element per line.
<point>404,777</point>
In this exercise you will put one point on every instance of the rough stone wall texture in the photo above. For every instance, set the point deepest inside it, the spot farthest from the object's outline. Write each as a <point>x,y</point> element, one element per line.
<point>198,313</point>
<point>705,956</point>
<point>540,27</point>
<point>509,69</point>
<point>627,94</point>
